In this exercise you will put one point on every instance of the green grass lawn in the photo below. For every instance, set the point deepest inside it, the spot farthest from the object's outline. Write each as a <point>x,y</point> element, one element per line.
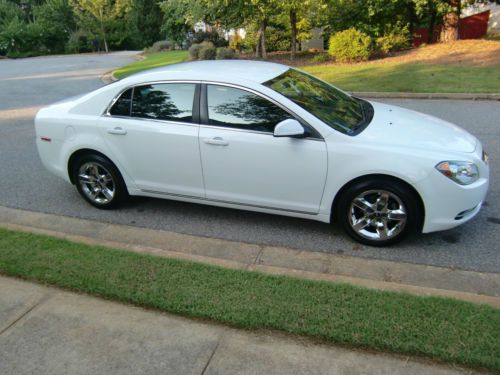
<point>376,77</point>
<point>410,77</point>
<point>153,60</point>
<point>439,328</point>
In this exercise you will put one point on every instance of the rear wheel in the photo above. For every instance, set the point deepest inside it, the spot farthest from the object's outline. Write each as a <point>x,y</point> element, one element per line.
<point>378,212</point>
<point>98,181</point>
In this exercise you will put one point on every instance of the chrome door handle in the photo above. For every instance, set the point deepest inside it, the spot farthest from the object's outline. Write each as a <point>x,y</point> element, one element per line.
<point>217,141</point>
<point>117,131</point>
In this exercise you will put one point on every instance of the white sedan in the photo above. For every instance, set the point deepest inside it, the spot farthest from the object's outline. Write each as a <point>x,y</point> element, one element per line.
<point>269,138</point>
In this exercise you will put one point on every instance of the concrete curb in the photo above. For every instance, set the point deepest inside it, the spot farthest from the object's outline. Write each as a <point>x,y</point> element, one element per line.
<point>416,279</point>
<point>423,95</point>
<point>108,78</point>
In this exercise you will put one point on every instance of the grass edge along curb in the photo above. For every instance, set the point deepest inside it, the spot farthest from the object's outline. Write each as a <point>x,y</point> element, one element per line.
<point>442,329</point>
<point>153,60</point>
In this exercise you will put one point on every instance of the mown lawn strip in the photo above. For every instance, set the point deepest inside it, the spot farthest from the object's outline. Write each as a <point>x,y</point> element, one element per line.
<point>409,77</point>
<point>439,328</point>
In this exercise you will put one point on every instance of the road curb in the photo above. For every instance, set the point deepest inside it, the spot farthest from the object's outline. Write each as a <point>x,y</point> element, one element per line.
<point>108,78</point>
<point>477,287</point>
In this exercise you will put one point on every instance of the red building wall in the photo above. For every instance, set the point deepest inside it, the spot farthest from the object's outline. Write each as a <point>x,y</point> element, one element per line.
<point>472,27</point>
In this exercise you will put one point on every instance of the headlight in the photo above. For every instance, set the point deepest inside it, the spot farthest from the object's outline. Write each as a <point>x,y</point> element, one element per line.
<point>462,172</point>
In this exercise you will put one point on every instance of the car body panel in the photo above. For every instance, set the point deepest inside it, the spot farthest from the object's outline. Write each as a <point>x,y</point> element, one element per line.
<point>150,151</point>
<point>416,130</point>
<point>261,170</point>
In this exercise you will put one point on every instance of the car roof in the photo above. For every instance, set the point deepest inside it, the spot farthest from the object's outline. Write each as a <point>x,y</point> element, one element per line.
<point>216,70</point>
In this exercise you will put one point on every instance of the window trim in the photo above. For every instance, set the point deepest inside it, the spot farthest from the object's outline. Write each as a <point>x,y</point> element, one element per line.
<point>196,103</point>
<point>200,107</point>
<point>204,111</point>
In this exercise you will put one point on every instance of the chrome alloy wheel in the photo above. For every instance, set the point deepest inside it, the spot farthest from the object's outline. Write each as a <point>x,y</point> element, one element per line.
<point>377,215</point>
<point>96,182</point>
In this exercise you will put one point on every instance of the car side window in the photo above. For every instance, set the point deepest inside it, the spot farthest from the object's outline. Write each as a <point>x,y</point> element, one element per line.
<point>164,101</point>
<point>235,108</point>
<point>122,105</point>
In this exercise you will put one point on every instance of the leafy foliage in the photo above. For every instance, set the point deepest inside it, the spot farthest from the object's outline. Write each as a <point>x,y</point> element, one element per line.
<point>224,53</point>
<point>321,58</point>
<point>78,42</point>
<point>394,40</point>
<point>33,27</point>
<point>209,36</point>
<point>202,51</point>
<point>207,51</point>
<point>161,45</point>
<point>350,45</point>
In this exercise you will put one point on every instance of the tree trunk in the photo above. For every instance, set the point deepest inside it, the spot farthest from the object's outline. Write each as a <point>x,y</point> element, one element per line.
<point>105,44</point>
<point>451,21</point>
<point>263,27</point>
<point>411,17</point>
<point>103,32</point>
<point>432,23</point>
<point>258,53</point>
<point>450,28</point>
<point>293,24</point>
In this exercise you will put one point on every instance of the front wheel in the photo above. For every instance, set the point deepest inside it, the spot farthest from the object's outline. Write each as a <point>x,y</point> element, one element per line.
<point>378,212</point>
<point>98,181</point>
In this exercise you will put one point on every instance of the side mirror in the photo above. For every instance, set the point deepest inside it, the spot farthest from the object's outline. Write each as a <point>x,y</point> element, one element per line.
<point>289,128</point>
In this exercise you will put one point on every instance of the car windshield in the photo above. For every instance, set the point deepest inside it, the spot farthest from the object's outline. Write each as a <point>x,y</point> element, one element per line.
<point>335,108</point>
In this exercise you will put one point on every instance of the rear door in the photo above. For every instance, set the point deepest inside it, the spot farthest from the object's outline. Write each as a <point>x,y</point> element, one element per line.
<point>152,131</point>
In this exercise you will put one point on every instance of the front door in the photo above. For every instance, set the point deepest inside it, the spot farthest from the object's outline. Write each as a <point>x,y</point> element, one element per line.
<point>244,163</point>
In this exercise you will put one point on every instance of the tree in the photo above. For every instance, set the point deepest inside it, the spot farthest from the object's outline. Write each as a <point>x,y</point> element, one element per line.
<point>99,15</point>
<point>147,19</point>
<point>448,10</point>
<point>261,11</point>
<point>56,20</point>
<point>302,15</point>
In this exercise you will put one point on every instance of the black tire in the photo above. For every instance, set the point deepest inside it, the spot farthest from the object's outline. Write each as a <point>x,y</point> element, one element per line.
<point>378,212</point>
<point>98,181</point>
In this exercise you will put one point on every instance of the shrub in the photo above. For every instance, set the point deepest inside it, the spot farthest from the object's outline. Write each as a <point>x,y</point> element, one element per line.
<point>393,41</point>
<point>236,42</point>
<point>321,58</point>
<point>202,51</point>
<point>78,42</point>
<point>224,53</point>
<point>194,51</point>
<point>161,45</point>
<point>207,51</point>
<point>209,36</point>
<point>350,45</point>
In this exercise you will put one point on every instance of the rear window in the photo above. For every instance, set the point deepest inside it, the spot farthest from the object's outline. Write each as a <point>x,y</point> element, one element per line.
<point>122,106</point>
<point>164,101</point>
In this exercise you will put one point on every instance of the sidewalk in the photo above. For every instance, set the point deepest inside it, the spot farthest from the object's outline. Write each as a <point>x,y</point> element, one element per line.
<point>48,331</point>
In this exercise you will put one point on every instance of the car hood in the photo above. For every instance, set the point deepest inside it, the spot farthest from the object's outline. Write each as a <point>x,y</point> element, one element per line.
<point>397,126</point>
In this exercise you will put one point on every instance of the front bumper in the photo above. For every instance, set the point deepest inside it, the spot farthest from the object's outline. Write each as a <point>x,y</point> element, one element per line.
<point>448,204</point>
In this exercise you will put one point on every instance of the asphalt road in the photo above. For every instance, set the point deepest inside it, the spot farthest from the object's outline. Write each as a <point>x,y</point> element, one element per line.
<point>28,84</point>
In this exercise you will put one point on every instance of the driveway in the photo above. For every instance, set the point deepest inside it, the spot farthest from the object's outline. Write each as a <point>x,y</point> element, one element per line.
<point>27,84</point>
